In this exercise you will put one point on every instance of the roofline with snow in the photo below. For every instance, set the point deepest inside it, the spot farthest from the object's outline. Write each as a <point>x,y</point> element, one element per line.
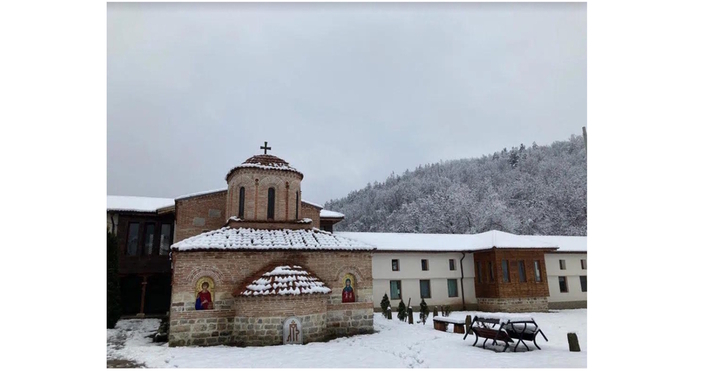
<point>316,206</point>
<point>200,194</point>
<point>162,210</point>
<point>422,250</point>
<point>569,251</point>
<point>254,248</point>
<point>482,249</point>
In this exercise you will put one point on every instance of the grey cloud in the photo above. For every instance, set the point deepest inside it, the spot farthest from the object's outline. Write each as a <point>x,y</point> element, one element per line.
<point>347,93</point>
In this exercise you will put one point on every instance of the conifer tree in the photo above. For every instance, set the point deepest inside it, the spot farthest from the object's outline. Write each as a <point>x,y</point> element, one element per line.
<point>401,311</point>
<point>114,305</point>
<point>423,311</point>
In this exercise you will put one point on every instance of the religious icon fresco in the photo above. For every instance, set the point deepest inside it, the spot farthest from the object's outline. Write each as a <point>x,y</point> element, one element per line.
<point>204,297</point>
<point>347,294</point>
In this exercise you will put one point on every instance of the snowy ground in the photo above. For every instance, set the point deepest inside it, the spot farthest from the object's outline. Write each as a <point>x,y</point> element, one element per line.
<point>395,344</point>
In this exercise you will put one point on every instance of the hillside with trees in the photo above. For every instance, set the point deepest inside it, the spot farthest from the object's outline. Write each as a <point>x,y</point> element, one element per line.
<point>536,190</point>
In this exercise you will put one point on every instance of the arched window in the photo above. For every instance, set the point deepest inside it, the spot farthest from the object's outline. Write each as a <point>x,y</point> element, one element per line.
<point>271,202</point>
<point>242,197</point>
<point>297,204</point>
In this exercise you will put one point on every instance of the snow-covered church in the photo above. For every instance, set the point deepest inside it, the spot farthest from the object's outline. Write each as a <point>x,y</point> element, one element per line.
<point>254,264</point>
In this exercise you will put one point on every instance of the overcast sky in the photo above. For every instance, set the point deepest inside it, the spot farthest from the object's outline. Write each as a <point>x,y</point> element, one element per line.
<point>346,93</point>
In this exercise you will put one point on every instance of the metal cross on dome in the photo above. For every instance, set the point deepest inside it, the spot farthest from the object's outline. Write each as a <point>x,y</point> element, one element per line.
<point>265,148</point>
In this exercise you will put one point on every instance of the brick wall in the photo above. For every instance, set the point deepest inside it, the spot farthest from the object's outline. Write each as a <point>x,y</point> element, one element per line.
<point>256,183</point>
<point>230,270</point>
<point>512,296</point>
<point>200,213</point>
<point>311,212</point>
<point>514,288</point>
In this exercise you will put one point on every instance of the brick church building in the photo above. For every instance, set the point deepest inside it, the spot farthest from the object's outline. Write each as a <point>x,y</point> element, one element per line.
<point>248,258</point>
<point>254,264</point>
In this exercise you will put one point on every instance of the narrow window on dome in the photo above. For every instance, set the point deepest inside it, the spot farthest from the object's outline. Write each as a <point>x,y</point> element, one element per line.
<point>297,205</point>
<point>271,202</point>
<point>242,196</point>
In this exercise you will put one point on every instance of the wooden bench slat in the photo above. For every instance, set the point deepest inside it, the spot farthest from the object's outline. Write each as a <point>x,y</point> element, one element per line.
<point>450,320</point>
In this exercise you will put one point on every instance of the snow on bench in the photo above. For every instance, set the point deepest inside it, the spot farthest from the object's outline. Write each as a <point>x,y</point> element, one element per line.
<point>508,331</point>
<point>441,324</point>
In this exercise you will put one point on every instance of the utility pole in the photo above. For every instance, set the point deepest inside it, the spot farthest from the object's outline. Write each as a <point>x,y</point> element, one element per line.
<point>585,137</point>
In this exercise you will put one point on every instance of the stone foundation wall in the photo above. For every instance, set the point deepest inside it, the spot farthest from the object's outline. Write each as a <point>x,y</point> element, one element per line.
<point>260,320</point>
<point>349,319</point>
<point>513,305</point>
<point>250,331</point>
<point>568,304</point>
<point>205,327</point>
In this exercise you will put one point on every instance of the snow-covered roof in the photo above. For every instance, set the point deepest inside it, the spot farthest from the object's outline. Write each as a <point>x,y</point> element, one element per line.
<point>330,214</point>
<point>270,167</point>
<point>567,243</point>
<point>134,203</point>
<point>284,280</point>
<point>201,193</point>
<point>450,242</point>
<point>229,238</point>
<point>313,204</point>
<point>264,161</point>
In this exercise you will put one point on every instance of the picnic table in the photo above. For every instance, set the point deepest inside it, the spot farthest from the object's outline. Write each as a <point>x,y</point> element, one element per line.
<point>441,324</point>
<point>507,332</point>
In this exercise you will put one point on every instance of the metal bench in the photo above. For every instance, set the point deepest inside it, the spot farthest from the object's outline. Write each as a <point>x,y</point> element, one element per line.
<point>524,330</point>
<point>507,332</point>
<point>485,328</point>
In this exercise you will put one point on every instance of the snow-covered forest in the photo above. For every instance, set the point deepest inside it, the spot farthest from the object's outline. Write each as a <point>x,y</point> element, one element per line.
<point>535,190</point>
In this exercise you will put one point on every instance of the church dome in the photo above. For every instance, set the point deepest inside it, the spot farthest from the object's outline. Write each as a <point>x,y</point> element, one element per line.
<point>266,162</point>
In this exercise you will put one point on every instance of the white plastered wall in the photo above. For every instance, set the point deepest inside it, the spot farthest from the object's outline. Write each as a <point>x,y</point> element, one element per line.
<point>572,273</point>
<point>411,273</point>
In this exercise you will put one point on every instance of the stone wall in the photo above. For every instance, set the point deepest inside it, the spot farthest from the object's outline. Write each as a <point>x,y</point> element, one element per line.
<point>259,320</point>
<point>203,327</point>
<point>349,319</point>
<point>230,270</point>
<point>568,304</point>
<point>513,305</point>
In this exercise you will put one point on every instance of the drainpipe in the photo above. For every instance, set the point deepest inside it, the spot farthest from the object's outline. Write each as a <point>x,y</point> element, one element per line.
<point>463,296</point>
